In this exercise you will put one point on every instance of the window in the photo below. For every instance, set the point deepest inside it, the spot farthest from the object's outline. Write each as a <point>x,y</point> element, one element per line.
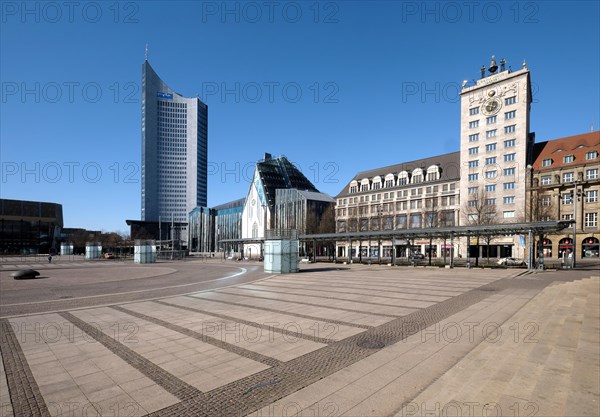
<point>490,201</point>
<point>567,198</point>
<point>510,114</point>
<point>415,220</point>
<point>567,159</point>
<point>591,196</point>
<point>509,157</point>
<point>509,185</point>
<point>546,201</point>
<point>591,155</point>
<point>490,133</point>
<point>510,129</point>
<point>591,219</point>
<point>510,100</point>
<point>490,188</point>
<point>591,174</point>
<point>509,172</point>
<point>473,177</point>
<point>491,174</point>
<point>389,183</point>
<point>490,161</point>
<point>474,151</point>
<point>509,200</point>
<point>472,203</point>
<point>490,120</point>
<point>402,181</point>
<point>376,185</point>
<point>416,204</point>
<point>547,162</point>
<point>473,190</point>
<point>509,143</point>
<point>567,177</point>
<point>473,111</point>
<point>364,187</point>
<point>473,124</point>
<point>546,180</point>
<point>417,179</point>
<point>474,137</point>
<point>490,147</point>
<point>567,216</point>
<point>431,176</point>
<point>353,189</point>
<point>509,214</point>
<point>472,164</point>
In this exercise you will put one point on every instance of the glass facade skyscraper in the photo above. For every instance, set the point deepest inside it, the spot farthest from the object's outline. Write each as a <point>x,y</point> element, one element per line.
<point>174,151</point>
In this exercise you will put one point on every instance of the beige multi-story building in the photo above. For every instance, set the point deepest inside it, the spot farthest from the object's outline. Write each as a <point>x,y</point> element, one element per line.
<point>494,143</point>
<point>498,176</point>
<point>563,184</point>
<point>416,194</point>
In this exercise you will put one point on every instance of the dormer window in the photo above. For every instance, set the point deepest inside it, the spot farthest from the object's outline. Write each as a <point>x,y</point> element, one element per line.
<point>547,162</point>
<point>591,155</point>
<point>567,159</point>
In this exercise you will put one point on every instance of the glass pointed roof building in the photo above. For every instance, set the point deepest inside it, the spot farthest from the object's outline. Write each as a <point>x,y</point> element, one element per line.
<point>174,151</point>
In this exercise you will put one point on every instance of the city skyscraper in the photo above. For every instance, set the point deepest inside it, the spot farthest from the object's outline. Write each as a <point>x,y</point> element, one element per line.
<point>174,151</point>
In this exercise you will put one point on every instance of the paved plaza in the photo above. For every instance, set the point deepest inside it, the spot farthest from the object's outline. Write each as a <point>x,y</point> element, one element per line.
<point>218,339</point>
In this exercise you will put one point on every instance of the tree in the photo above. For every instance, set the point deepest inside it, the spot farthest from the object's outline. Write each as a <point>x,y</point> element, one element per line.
<point>480,210</point>
<point>430,218</point>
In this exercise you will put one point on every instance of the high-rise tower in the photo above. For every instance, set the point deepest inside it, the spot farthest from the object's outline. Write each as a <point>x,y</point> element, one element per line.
<point>174,151</point>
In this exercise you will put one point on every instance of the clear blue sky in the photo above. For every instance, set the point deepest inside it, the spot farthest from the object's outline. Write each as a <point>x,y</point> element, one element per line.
<point>71,87</point>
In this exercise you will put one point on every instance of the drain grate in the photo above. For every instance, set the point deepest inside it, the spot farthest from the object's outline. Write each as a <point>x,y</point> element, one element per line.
<point>370,344</point>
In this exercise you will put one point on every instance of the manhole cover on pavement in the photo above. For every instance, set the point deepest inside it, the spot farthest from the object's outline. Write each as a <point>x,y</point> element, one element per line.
<point>370,344</point>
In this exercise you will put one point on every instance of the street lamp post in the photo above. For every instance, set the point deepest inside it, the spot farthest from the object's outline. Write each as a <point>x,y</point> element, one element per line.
<point>576,195</point>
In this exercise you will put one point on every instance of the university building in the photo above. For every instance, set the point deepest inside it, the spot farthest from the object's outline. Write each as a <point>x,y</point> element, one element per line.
<point>499,175</point>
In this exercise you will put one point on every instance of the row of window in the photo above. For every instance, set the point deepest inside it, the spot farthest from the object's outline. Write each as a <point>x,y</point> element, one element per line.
<point>402,221</point>
<point>591,196</point>
<point>399,194</point>
<point>398,206</point>
<point>568,159</point>
<point>589,219</point>
<point>492,146</point>
<point>590,174</point>
<point>492,132</point>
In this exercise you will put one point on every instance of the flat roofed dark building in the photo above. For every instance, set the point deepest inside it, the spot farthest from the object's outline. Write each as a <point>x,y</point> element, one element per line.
<point>29,227</point>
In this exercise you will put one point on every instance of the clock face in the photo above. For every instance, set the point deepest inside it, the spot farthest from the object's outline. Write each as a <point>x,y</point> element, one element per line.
<point>491,107</point>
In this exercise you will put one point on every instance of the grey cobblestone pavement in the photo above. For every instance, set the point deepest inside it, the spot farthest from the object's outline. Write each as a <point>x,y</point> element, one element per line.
<point>24,392</point>
<point>438,296</point>
<point>167,381</point>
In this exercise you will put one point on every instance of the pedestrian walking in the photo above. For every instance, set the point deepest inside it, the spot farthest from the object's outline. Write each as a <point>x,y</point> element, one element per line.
<point>49,259</point>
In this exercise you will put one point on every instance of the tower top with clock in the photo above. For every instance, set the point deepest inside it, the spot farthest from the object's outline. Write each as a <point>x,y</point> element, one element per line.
<point>494,138</point>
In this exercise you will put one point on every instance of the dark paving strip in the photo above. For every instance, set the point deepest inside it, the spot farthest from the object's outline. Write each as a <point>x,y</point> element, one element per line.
<point>166,380</point>
<point>274,310</point>
<point>338,291</point>
<point>250,323</point>
<point>203,338</point>
<point>263,388</point>
<point>245,287</point>
<point>24,392</point>
<point>350,310</point>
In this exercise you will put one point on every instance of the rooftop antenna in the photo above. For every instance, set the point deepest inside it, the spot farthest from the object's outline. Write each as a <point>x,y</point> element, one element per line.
<point>146,51</point>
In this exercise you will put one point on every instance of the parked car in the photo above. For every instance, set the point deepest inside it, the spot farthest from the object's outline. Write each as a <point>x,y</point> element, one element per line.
<point>511,262</point>
<point>109,255</point>
<point>418,255</point>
